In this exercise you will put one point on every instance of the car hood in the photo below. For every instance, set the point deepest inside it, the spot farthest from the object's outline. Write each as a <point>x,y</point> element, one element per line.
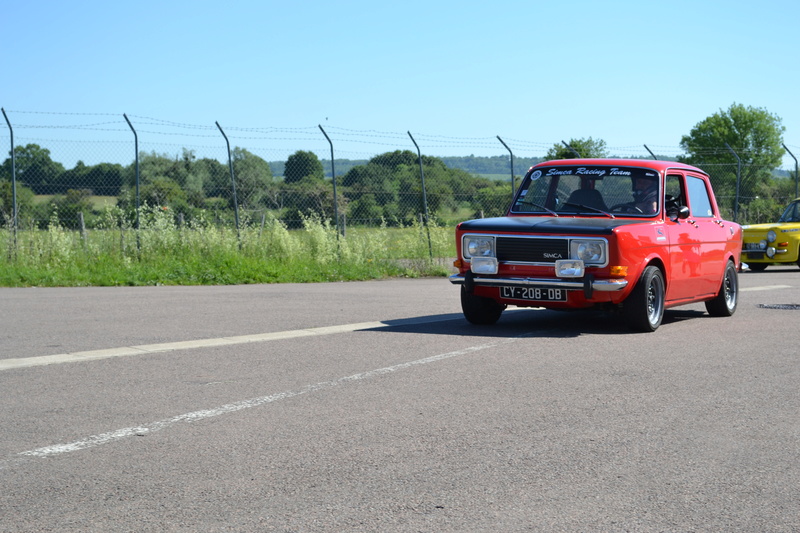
<point>778,227</point>
<point>580,226</point>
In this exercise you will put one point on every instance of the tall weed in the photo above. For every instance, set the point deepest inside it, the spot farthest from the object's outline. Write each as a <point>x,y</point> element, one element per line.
<point>164,250</point>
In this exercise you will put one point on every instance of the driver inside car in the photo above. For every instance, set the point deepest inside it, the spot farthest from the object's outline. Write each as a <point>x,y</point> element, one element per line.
<point>645,194</point>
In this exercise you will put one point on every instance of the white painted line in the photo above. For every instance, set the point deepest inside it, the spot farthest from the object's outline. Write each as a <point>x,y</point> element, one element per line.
<point>113,436</point>
<point>91,355</point>
<point>766,288</point>
<point>26,362</point>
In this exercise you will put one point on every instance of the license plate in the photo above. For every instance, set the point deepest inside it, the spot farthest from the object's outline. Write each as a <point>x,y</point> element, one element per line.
<point>534,293</point>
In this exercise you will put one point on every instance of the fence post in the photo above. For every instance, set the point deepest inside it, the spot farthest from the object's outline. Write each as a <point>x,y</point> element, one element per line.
<point>424,196</point>
<point>796,175</point>
<point>82,224</point>
<point>738,182</point>
<point>333,175</point>
<point>136,159</point>
<point>513,185</point>
<point>233,184</point>
<point>14,214</point>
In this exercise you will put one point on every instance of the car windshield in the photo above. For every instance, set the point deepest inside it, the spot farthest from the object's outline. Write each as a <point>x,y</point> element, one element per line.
<point>589,190</point>
<point>792,213</point>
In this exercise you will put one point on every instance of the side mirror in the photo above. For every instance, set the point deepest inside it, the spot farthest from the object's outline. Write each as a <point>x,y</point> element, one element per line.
<point>675,213</point>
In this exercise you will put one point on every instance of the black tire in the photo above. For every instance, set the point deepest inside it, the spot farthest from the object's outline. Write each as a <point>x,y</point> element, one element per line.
<point>480,310</point>
<point>757,267</point>
<point>724,303</point>
<point>643,309</point>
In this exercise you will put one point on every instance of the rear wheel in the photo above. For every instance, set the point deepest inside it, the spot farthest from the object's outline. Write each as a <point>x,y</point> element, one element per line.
<point>724,303</point>
<point>643,309</point>
<point>480,310</point>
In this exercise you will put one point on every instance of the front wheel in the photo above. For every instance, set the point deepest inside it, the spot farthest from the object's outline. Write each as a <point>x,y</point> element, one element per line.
<point>643,309</point>
<point>724,303</point>
<point>480,310</point>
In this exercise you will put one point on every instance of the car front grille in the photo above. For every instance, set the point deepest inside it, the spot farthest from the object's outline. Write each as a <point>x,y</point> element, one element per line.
<point>531,250</point>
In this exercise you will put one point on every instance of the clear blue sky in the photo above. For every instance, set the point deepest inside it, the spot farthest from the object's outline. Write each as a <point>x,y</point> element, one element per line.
<point>629,73</point>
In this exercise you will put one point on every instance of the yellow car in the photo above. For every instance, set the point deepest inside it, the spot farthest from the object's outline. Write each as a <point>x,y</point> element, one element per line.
<point>777,243</point>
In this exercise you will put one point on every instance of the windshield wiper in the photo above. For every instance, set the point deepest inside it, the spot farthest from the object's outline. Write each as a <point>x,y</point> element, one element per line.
<point>534,204</point>
<point>590,208</point>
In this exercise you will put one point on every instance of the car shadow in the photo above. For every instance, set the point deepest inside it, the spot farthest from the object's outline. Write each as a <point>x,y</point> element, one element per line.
<point>530,323</point>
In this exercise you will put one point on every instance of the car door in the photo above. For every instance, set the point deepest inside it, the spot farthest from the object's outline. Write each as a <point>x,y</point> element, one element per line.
<point>685,245</point>
<point>712,234</point>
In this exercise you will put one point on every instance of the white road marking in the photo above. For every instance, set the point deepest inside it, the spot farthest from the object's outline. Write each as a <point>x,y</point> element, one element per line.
<point>766,288</point>
<point>91,355</point>
<point>106,438</point>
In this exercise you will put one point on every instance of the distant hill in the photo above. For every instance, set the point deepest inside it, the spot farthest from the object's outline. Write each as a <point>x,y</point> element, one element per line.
<point>498,165</point>
<point>342,166</point>
<point>492,166</point>
<point>781,173</point>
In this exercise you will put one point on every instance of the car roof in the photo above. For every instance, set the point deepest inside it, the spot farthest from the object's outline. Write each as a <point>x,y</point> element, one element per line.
<point>655,164</point>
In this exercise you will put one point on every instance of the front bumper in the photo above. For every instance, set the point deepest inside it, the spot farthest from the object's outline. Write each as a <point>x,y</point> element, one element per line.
<point>760,255</point>
<point>587,284</point>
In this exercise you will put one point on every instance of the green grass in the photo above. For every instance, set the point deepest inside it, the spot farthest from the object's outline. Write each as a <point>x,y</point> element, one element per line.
<point>499,177</point>
<point>161,253</point>
<point>98,202</point>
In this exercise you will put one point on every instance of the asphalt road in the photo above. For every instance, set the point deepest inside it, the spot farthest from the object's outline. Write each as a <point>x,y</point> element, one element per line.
<point>375,407</point>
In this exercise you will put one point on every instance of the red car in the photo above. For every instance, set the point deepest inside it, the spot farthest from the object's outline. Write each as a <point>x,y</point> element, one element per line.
<point>633,236</point>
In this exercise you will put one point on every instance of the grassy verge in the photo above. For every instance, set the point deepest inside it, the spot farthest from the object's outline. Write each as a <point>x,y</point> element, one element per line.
<point>162,253</point>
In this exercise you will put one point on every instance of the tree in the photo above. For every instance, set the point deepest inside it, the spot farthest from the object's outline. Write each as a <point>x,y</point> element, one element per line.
<point>393,160</point>
<point>302,164</point>
<point>161,192</point>
<point>151,167</point>
<point>34,168</point>
<point>253,177</point>
<point>753,133</point>
<point>390,186</point>
<point>365,210</point>
<point>585,148</point>
<point>68,206</point>
<point>103,179</point>
<point>24,200</point>
<point>493,200</point>
<point>215,176</point>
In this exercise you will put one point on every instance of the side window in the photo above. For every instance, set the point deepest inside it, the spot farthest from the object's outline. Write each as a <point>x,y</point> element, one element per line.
<point>673,192</point>
<point>791,214</point>
<point>699,201</point>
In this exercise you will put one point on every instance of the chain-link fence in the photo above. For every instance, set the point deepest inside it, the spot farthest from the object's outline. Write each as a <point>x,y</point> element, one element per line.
<point>751,194</point>
<point>78,168</point>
